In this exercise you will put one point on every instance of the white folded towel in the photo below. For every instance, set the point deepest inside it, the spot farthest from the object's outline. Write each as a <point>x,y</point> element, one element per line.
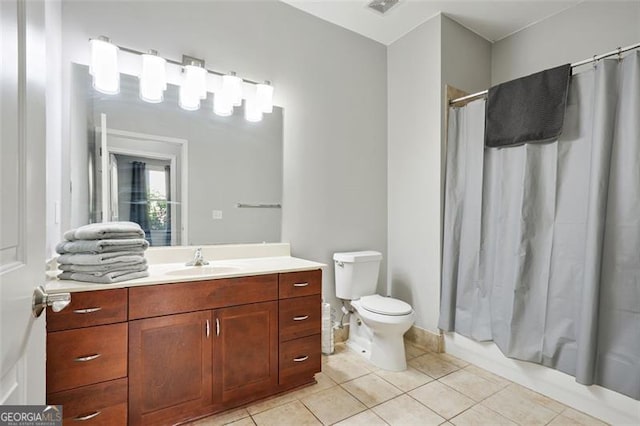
<point>101,246</point>
<point>105,231</point>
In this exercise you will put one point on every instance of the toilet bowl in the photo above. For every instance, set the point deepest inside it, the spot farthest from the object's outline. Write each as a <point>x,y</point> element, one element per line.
<point>377,323</point>
<point>377,328</point>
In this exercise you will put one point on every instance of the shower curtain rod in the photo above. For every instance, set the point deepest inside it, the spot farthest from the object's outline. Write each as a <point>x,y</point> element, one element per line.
<point>618,51</point>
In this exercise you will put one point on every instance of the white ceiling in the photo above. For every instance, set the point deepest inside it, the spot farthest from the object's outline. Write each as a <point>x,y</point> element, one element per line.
<point>492,20</point>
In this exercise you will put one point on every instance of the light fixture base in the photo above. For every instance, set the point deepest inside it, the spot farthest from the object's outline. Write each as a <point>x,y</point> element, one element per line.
<point>382,6</point>
<point>190,60</point>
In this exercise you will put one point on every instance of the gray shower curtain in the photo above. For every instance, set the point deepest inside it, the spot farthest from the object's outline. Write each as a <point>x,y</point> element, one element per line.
<point>541,250</point>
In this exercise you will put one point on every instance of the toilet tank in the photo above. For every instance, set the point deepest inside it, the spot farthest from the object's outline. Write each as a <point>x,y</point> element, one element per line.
<point>356,273</point>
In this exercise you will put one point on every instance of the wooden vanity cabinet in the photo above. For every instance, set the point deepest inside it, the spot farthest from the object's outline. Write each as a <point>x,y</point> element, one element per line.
<point>184,350</point>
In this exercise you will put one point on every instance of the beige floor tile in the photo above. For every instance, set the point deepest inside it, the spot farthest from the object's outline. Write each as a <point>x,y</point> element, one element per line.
<point>432,365</point>
<point>475,387</point>
<point>247,421</point>
<point>333,404</point>
<point>571,417</point>
<point>479,415</point>
<point>324,382</point>
<point>269,403</point>
<point>453,360</point>
<point>343,368</point>
<point>442,399</point>
<point>538,398</point>
<point>405,410</point>
<point>293,413</point>
<point>406,380</point>
<point>371,390</point>
<point>519,408</point>
<point>493,378</point>
<point>368,418</point>
<point>412,351</point>
<point>222,418</point>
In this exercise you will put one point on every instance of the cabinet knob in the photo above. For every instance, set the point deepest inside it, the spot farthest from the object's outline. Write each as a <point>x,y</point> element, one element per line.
<point>87,417</point>
<point>301,358</point>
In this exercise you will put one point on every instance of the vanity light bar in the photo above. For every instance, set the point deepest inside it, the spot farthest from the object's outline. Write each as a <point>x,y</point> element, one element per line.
<point>233,82</point>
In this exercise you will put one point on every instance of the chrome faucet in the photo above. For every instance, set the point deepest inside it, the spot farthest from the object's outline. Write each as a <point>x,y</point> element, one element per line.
<point>198,260</point>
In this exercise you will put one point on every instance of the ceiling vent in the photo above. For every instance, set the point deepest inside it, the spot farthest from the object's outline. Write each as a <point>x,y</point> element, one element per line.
<point>382,6</point>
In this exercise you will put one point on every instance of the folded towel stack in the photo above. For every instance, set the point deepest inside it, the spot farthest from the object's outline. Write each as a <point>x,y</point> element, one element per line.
<point>103,253</point>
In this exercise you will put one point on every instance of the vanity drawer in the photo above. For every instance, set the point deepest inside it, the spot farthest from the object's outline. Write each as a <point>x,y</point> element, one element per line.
<point>102,404</point>
<point>297,284</point>
<point>299,358</point>
<point>85,356</point>
<point>90,308</point>
<point>299,317</point>
<point>168,299</point>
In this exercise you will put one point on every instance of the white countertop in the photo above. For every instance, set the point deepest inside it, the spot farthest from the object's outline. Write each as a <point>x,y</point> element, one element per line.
<point>162,273</point>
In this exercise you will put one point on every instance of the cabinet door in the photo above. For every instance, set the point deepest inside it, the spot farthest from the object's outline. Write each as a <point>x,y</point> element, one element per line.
<point>245,352</point>
<point>169,368</point>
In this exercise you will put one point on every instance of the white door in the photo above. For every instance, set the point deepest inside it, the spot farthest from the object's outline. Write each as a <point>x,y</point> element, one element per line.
<point>22,200</point>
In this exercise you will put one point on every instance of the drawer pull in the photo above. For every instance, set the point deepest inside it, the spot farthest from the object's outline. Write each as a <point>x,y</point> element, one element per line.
<point>87,358</point>
<point>87,310</point>
<point>301,358</point>
<point>301,318</point>
<point>300,284</point>
<point>87,417</point>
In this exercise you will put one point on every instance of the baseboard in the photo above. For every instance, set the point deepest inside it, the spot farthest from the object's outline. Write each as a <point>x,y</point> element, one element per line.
<point>340,335</point>
<point>596,401</point>
<point>426,339</point>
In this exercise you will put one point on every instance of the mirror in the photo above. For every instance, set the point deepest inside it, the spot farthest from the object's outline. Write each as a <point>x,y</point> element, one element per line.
<point>188,177</point>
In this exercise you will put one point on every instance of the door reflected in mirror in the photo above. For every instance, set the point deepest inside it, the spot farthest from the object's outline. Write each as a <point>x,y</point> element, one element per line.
<point>180,174</point>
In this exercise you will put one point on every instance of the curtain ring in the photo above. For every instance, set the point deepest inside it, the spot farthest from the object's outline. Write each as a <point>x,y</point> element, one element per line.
<point>595,60</point>
<point>619,53</point>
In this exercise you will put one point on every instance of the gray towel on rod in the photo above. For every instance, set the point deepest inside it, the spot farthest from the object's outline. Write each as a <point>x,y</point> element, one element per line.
<point>105,231</point>
<point>528,109</point>
<point>101,246</point>
<point>102,258</point>
<point>137,265</point>
<point>110,278</point>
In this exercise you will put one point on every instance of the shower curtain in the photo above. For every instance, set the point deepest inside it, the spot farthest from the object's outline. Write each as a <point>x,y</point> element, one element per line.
<point>541,250</point>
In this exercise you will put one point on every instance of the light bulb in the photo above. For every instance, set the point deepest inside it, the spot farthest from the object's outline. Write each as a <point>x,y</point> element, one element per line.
<point>193,87</point>
<point>104,66</point>
<point>264,96</point>
<point>153,78</point>
<point>232,87</point>
<point>222,106</point>
<point>252,110</point>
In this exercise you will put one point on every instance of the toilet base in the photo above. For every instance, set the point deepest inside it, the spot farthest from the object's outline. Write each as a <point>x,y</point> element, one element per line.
<point>385,352</point>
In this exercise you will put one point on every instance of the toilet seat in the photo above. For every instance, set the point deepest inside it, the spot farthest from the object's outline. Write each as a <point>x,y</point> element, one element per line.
<point>385,305</point>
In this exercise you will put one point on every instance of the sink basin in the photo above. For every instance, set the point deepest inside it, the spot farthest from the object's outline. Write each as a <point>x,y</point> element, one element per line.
<point>203,270</point>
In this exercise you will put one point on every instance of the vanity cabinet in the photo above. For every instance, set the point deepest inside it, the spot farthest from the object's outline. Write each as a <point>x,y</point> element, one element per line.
<point>183,350</point>
<point>87,358</point>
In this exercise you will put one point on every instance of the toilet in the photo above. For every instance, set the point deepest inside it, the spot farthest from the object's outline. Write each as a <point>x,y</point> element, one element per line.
<point>377,323</point>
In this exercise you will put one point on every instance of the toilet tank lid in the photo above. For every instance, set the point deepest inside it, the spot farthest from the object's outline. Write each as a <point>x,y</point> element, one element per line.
<point>385,305</point>
<point>358,256</point>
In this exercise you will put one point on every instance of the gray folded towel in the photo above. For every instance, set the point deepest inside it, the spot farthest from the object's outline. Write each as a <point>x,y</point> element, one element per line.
<point>137,265</point>
<point>101,246</point>
<point>115,270</point>
<point>109,278</point>
<point>528,109</point>
<point>102,258</point>
<point>105,231</point>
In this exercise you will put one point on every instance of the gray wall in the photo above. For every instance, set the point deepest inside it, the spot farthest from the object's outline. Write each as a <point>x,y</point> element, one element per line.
<point>419,65</point>
<point>578,33</point>
<point>330,82</point>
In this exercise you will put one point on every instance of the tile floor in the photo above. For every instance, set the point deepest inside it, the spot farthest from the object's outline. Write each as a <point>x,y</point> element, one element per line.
<point>435,389</point>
